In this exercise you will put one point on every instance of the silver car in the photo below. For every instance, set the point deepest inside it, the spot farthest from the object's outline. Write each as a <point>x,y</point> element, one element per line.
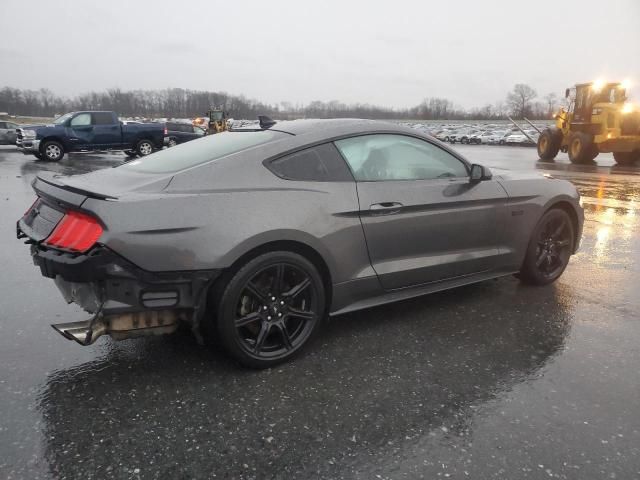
<point>8,133</point>
<point>255,236</point>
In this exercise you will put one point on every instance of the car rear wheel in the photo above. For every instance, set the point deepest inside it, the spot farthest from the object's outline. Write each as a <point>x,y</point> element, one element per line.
<point>626,158</point>
<point>269,309</point>
<point>53,151</point>
<point>549,248</point>
<point>172,142</point>
<point>144,148</point>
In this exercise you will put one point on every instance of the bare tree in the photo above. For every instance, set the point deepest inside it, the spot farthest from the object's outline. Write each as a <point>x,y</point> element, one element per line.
<point>552,103</point>
<point>519,100</point>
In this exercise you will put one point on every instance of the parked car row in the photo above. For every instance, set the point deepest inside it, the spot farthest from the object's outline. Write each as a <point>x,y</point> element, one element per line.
<point>481,134</point>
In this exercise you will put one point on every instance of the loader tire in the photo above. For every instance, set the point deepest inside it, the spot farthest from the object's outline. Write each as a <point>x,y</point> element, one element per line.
<point>626,158</point>
<point>549,144</point>
<point>580,147</point>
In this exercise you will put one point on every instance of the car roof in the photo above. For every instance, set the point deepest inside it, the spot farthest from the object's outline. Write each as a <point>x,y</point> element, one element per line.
<point>318,129</point>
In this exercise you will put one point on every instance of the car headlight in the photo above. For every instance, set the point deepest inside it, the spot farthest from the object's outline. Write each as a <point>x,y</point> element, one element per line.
<point>29,133</point>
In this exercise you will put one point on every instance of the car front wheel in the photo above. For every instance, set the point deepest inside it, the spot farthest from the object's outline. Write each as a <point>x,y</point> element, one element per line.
<point>269,309</point>
<point>549,248</point>
<point>53,151</point>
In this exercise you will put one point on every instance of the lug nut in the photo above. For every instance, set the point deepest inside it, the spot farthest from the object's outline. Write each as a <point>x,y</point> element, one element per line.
<point>281,302</point>
<point>273,298</point>
<point>268,318</point>
<point>279,314</point>
<point>264,308</point>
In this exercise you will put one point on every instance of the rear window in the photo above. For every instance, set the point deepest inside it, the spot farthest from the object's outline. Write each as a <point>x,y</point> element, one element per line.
<point>197,152</point>
<point>322,163</point>
<point>102,118</point>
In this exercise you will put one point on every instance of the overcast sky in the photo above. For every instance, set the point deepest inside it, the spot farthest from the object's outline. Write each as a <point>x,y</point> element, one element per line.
<point>391,53</point>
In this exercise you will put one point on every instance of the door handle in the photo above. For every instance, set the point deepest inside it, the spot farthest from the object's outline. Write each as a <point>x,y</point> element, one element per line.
<point>385,208</point>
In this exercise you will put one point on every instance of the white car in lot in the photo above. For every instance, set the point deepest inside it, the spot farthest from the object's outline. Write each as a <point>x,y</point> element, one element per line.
<point>520,138</point>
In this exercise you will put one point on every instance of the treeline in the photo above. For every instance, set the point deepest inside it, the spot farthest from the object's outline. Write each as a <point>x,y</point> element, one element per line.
<point>182,103</point>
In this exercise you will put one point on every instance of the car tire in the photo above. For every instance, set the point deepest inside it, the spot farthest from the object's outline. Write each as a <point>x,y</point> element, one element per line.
<point>260,318</point>
<point>550,248</point>
<point>549,143</point>
<point>144,148</point>
<point>446,139</point>
<point>501,142</point>
<point>626,158</point>
<point>131,154</point>
<point>172,142</point>
<point>580,147</point>
<point>52,151</point>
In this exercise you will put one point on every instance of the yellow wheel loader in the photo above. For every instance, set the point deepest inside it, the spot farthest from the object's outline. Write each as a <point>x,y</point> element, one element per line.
<point>597,120</point>
<point>217,121</point>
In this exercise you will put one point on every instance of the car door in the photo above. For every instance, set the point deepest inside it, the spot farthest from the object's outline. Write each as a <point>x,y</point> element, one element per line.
<point>424,221</point>
<point>11,132</point>
<point>106,130</point>
<point>4,133</point>
<point>81,132</point>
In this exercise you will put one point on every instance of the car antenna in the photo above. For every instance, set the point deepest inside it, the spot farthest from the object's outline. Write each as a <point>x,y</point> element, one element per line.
<point>266,122</point>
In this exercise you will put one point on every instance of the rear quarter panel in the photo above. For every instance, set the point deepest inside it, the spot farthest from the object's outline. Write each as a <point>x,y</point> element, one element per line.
<point>132,133</point>
<point>210,216</point>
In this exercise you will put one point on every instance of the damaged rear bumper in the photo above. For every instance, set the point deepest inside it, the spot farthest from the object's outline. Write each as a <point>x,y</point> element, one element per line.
<point>101,278</point>
<point>125,300</point>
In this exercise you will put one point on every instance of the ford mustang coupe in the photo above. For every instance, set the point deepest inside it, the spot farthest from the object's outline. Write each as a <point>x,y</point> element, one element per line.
<point>255,236</point>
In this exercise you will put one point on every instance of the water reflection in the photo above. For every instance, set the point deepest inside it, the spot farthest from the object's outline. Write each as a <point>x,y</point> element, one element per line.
<point>611,220</point>
<point>378,382</point>
<point>71,164</point>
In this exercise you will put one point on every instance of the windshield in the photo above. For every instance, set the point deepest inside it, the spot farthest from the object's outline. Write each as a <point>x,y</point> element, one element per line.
<point>62,119</point>
<point>216,116</point>
<point>197,152</point>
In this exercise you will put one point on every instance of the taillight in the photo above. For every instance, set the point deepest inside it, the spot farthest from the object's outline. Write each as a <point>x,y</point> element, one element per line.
<point>76,231</point>
<point>166,131</point>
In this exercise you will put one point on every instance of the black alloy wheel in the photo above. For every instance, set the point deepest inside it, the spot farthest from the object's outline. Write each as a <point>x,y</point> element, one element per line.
<point>549,249</point>
<point>270,309</point>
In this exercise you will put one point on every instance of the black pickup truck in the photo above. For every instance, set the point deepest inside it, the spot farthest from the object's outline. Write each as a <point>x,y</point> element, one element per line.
<point>89,131</point>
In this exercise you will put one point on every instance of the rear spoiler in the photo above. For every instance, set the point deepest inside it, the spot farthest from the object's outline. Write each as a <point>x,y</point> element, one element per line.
<point>49,185</point>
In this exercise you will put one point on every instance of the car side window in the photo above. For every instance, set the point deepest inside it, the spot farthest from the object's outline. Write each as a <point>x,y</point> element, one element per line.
<point>321,163</point>
<point>398,157</point>
<point>81,120</point>
<point>102,118</point>
<point>3,125</point>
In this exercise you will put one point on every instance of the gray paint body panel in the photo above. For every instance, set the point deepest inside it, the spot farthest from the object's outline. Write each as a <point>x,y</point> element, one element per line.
<point>449,232</point>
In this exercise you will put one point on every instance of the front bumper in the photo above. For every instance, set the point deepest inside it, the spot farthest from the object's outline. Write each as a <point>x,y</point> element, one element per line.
<point>102,281</point>
<point>28,145</point>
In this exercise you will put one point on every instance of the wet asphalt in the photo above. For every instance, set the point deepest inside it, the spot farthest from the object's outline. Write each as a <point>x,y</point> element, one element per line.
<point>494,380</point>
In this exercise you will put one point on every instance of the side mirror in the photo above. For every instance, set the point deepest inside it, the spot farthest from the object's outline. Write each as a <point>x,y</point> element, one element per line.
<point>479,173</point>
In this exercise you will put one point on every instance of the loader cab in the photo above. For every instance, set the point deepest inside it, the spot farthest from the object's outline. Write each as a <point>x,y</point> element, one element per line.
<point>584,96</point>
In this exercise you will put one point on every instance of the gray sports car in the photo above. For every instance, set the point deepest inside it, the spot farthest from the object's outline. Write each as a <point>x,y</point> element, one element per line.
<point>255,236</point>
